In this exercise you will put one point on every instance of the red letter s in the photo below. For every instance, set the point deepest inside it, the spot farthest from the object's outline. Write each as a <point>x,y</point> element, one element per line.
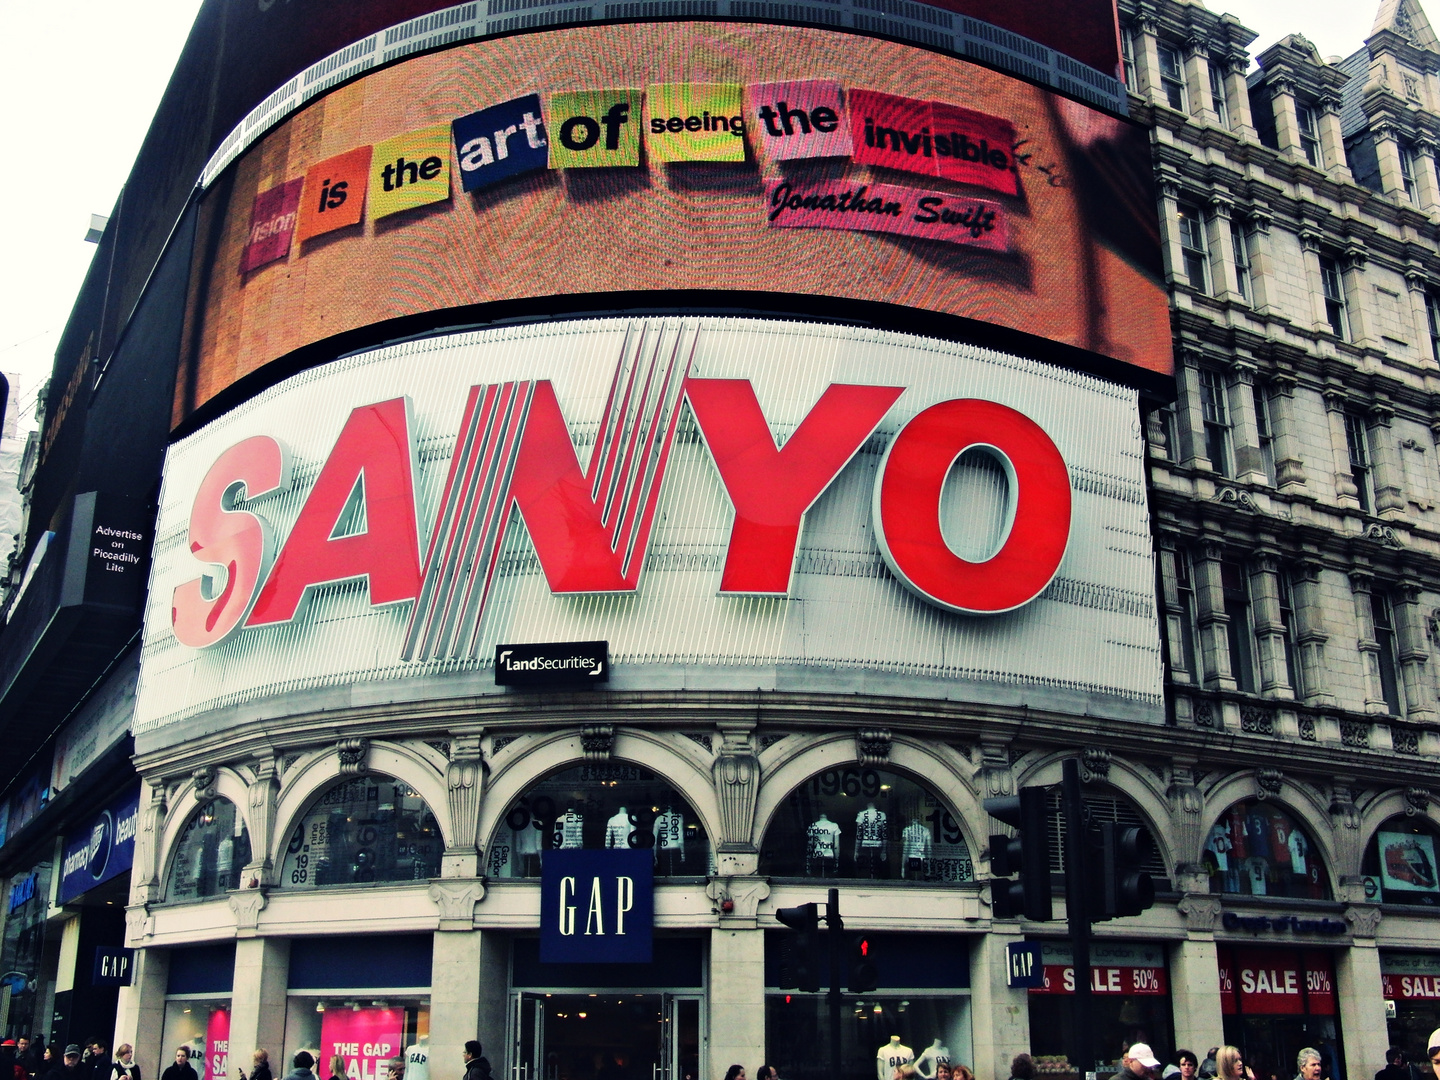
<point>235,540</point>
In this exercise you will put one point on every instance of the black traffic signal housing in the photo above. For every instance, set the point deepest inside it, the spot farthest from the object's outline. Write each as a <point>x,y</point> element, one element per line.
<point>1026,854</point>
<point>863,976</point>
<point>801,957</point>
<point>1123,887</point>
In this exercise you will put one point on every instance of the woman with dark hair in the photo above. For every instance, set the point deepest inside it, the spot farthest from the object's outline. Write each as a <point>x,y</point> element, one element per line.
<point>767,1072</point>
<point>1022,1067</point>
<point>735,1072</point>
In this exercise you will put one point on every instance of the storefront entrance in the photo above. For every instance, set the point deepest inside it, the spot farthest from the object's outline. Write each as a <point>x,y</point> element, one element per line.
<point>605,1036</point>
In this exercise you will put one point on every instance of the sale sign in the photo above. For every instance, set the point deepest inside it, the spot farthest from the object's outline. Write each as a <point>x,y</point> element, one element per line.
<point>215,1064</point>
<point>1128,969</point>
<point>365,1038</point>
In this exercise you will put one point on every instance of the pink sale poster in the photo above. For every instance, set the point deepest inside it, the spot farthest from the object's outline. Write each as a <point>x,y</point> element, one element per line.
<point>215,1064</point>
<point>365,1038</point>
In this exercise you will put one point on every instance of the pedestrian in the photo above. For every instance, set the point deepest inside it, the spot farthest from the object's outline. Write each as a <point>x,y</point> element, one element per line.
<point>73,1069</point>
<point>735,1072</point>
<point>1022,1067</point>
<point>1432,1052</point>
<point>476,1066</point>
<point>1188,1064</point>
<point>303,1063</point>
<point>337,1068</point>
<point>943,1071</point>
<point>1395,1067</point>
<point>259,1066</point>
<point>1137,1060</point>
<point>48,1060</point>
<point>100,1062</point>
<point>1208,1066</point>
<point>908,1071</point>
<point>1308,1064</point>
<point>766,1072</point>
<point>10,1067</point>
<point>1230,1065</point>
<point>124,1067</point>
<point>182,1069</point>
<point>395,1069</point>
<point>28,1055</point>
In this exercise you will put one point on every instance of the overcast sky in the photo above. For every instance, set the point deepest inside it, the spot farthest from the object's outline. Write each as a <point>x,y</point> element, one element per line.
<point>82,78</point>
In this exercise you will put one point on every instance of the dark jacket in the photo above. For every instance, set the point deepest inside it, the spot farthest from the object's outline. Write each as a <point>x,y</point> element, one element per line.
<point>477,1069</point>
<point>177,1071</point>
<point>300,1074</point>
<point>262,1072</point>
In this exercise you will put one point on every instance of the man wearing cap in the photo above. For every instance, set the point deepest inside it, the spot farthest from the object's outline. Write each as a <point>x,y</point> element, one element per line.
<point>1136,1062</point>
<point>72,1069</point>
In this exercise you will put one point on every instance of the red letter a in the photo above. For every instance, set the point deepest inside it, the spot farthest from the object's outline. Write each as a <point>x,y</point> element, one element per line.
<point>373,450</point>
<point>773,488</point>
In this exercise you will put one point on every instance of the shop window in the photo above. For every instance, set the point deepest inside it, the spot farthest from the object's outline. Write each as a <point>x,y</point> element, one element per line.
<point>1193,251</point>
<point>857,822</point>
<point>23,943</point>
<point>601,805</point>
<point>1217,92</point>
<point>1411,982</point>
<point>1240,627</point>
<point>1257,849</point>
<point>1172,76</point>
<point>1215,411</point>
<point>200,1026</point>
<point>363,831</point>
<point>1357,445</point>
<point>1099,808</point>
<point>1276,1001</point>
<point>365,1028</point>
<point>1400,863</point>
<point>211,853</point>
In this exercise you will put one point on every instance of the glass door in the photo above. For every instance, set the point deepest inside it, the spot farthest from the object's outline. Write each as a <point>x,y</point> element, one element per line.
<point>682,1037</point>
<point>581,1036</point>
<point>527,1037</point>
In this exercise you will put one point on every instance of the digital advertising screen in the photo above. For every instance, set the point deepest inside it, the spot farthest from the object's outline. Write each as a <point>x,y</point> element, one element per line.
<point>698,157</point>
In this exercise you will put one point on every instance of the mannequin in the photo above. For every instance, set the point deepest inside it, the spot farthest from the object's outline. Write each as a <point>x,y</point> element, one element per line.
<point>931,1058</point>
<point>528,842</point>
<point>890,1057</point>
<point>915,848</point>
<point>417,1061</point>
<point>872,835</point>
<point>822,848</point>
<point>669,831</point>
<point>617,830</point>
<point>570,829</point>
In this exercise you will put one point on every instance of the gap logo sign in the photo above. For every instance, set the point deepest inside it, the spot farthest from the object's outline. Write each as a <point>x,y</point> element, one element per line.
<point>597,907</point>
<point>502,141</point>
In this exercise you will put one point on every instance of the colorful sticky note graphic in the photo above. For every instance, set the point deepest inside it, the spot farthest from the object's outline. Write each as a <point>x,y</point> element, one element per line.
<point>594,128</point>
<point>892,131</point>
<point>799,119</point>
<point>272,224</point>
<point>695,122</point>
<point>335,193</point>
<point>502,141</point>
<point>933,138</point>
<point>410,170</point>
<point>975,148</point>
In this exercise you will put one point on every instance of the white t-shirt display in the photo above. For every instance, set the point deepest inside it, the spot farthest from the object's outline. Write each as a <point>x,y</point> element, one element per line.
<point>417,1062</point>
<point>890,1057</point>
<point>824,839</point>
<point>931,1058</point>
<point>670,833</point>
<point>915,841</point>
<point>872,829</point>
<point>572,830</point>
<point>617,830</point>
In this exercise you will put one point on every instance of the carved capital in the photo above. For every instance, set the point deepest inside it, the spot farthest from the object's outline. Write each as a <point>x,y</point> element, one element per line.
<point>204,780</point>
<point>1095,765</point>
<point>1342,807</point>
<point>464,782</point>
<point>873,747</point>
<point>1267,783</point>
<point>994,776</point>
<point>737,786</point>
<point>456,898</point>
<point>247,905</point>
<point>1201,912</point>
<point>1184,795</point>
<point>737,899</point>
<point>354,756</point>
<point>1364,919</point>
<point>1417,801</point>
<point>597,741</point>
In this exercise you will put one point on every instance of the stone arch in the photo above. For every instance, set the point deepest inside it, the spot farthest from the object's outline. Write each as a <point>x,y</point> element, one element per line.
<point>229,785</point>
<point>310,778</point>
<point>944,771</point>
<point>1303,803</point>
<point>665,755</point>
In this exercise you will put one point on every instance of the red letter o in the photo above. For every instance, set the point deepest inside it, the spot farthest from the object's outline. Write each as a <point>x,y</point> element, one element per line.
<point>907,507</point>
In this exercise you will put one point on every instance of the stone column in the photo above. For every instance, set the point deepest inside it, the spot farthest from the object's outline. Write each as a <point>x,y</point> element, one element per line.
<point>1427,191</point>
<point>737,997</point>
<point>1384,466</point>
<point>1218,234</point>
<point>1417,291</point>
<point>468,976</point>
<point>1189,414</point>
<point>140,1014</point>
<point>1287,123</point>
<point>1214,622</point>
<point>1147,71</point>
<point>464,787</point>
<point>1346,493</point>
<point>145,884</point>
<point>1310,632</point>
<point>1411,644</point>
<point>1197,80</point>
<point>257,1002</point>
<point>1387,150</point>
<point>1269,629</point>
<point>1169,192</point>
<point>1332,144</point>
<point>1289,468</point>
<point>1262,263</point>
<point>1352,277</point>
<point>999,1016</point>
<point>1359,994</point>
<point>1361,584</point>
<point>1237,97</point>
<point>1195,974</point>
<point>1244,426</point>
<point>1310,247</point>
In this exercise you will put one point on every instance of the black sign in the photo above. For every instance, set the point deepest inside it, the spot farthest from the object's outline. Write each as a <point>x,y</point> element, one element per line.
<point>557,663</point>
<point>597,907</point>
<point>110,538</point>
<point>113,966</point>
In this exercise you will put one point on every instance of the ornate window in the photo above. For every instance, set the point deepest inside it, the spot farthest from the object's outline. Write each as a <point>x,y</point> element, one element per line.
<point>601,805</point>
<point>212,851</point>
<point>858,822</point>
<point>363,831</point>
<point>1400,863</point>
<point>1256,849</point>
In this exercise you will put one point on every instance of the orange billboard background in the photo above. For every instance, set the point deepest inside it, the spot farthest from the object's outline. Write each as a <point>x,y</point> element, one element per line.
<point>1082,266</point>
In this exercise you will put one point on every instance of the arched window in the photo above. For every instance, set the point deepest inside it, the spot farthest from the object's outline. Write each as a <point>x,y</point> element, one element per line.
<point>600,805</point>
<point>858,822</point>
<point>1102,806</point>
<point>1258,849</point>
<point>1399,863</point>
<point>361,831</point>
<point>211,852</point>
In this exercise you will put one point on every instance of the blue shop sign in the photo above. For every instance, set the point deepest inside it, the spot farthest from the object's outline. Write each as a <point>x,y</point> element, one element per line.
<point>102,851</point>
<point>597,907</point>
<point>1024,968</point>
<point>114,966</point>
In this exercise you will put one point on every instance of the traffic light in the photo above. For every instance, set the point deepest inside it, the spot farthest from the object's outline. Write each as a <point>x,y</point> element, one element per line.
<point>1124,888</point>
<point>800,962</point>
<point>862,965</point>
<point>1026,854</point>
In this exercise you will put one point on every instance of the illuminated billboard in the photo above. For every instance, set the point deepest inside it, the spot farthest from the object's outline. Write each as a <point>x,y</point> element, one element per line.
<point>698,158</point>
<point>732,504</point>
